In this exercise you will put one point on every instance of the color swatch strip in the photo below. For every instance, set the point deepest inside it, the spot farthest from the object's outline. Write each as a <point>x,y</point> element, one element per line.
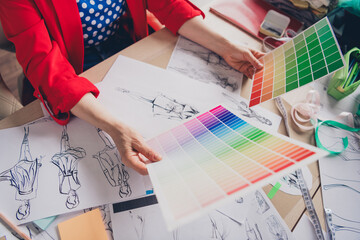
<point>213,156</point>
<point>312,54</point>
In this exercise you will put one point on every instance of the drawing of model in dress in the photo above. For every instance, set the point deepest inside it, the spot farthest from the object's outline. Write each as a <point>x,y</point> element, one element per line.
<point>112,167</point>
<point>67,162</point>
<point>163,105</point>
<point>24,177</point>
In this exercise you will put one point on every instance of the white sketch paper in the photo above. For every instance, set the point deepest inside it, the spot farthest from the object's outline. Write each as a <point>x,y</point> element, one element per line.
<point>340,181</point>
<point>47,169</point>
<point>161,99</point>
<point>246,221</point>
<point>197,62</point>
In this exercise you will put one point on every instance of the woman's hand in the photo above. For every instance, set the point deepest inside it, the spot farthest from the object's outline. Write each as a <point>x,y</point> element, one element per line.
<point>131,147</point>
<point>128,142</point>
<point>245,60</point>
<point>241,58</point>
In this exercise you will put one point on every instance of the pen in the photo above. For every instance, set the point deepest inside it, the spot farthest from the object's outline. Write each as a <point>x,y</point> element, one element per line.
<point>13,228</point>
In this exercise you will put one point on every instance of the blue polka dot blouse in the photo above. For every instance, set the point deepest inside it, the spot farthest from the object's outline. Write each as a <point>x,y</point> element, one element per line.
<point>98,18</point>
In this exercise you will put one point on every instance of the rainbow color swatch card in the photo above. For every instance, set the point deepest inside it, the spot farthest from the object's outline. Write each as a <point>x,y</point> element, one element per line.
<point>310,55</point>
<point>217,156</point>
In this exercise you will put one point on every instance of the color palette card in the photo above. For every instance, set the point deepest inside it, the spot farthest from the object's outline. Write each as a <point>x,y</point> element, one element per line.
<point>214,157</point>
<point>312,54</point>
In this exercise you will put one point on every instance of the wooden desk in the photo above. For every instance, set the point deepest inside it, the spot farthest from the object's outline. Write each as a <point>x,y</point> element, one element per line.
<point>156,50</point>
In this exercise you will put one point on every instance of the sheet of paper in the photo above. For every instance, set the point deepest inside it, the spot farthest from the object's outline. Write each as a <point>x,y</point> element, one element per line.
<point>47,169</point>
<point>197,62</point>
<point>340,182</point>
<point>44,222</point>
<point>161,99</point>
<point>258,220</point>
<point>311,55</point>
<point>87,226</point>
<point>216,155</point>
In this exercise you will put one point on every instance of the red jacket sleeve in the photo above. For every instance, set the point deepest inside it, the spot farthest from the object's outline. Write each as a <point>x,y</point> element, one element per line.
<point>48,70</point>
<point>173,13</point>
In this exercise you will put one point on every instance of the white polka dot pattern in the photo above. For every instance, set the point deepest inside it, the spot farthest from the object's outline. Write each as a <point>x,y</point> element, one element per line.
<point>98,18</point>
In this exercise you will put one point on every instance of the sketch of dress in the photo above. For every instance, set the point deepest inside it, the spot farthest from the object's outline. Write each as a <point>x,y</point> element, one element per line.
<point>245,111</point>
<point>203,65</point>
<point>252,232</point>
<point>24,177</point>
<point>67,162</point>
<point>112,167</point>
<point>275,228</point>
<point>164,106</point>
<point>263,206</point>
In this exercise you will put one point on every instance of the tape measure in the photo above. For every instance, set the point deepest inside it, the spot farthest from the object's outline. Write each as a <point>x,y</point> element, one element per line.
<point>310,205</point>
<point>329,222</point>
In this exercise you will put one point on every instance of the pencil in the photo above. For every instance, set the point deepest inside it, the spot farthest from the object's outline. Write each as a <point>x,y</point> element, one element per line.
<point>14,229</point>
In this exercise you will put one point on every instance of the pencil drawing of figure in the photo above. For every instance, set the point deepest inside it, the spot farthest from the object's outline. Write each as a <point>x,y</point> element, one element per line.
<point>275,228</point>
<point>291,180</point>
<point>351,153</point>
<point>203,65</point>
<point>24,177</point>
<point>245,111</point>
<point>217,232</point>
<point>67,162</point>
<point>263,206</point>
<point>252,232</point>
<point>138,224</point>
<point>112,167</point>
<point>164,106</point>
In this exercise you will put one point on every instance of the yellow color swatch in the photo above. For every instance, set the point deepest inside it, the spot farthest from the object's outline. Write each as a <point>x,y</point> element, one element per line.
<point>88,226</point>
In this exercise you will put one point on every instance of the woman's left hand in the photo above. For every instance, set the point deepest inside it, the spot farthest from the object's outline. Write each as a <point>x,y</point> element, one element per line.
<point>243,59</point>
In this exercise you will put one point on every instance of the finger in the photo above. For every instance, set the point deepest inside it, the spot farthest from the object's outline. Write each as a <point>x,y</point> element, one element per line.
<point>257,53</point>
<point>133,160</point>
<point>145,150</point>
<point>253,60</point>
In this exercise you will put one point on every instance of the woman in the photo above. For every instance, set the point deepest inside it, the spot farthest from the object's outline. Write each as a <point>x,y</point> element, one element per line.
<point>51,36</point>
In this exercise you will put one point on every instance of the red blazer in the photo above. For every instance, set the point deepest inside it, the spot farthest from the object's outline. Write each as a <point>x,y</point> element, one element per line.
<point>49,43</point>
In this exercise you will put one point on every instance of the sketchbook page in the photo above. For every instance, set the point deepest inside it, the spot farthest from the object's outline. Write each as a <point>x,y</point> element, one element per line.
<point>47,169</point>
<point>330,107</point>
<point>340,182</point>
<point>145,221</point>
<point>162,99</point>
<point>214,156</point>
<point>197,62</point>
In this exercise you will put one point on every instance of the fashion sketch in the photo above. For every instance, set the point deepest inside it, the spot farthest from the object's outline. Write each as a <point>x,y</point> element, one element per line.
<point>163,106</point>
<point>263,206</point>
<point>252,231</point>
<point>275,228</point>
<point>67,162</point>
<point>114,170</point>
<point>23,176</point>
<point>245,111</point>
<point>199,63</point>
<point>351,153</point>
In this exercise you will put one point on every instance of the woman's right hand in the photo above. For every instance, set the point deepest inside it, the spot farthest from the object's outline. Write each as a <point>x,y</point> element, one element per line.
<point>131,146</point>
<point>129,143</point>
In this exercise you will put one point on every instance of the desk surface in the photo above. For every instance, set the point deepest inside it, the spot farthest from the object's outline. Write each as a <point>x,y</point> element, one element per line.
<point>156,50</point>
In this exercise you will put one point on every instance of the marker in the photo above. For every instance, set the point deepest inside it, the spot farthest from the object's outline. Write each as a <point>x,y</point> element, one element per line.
<point>13,228</point>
